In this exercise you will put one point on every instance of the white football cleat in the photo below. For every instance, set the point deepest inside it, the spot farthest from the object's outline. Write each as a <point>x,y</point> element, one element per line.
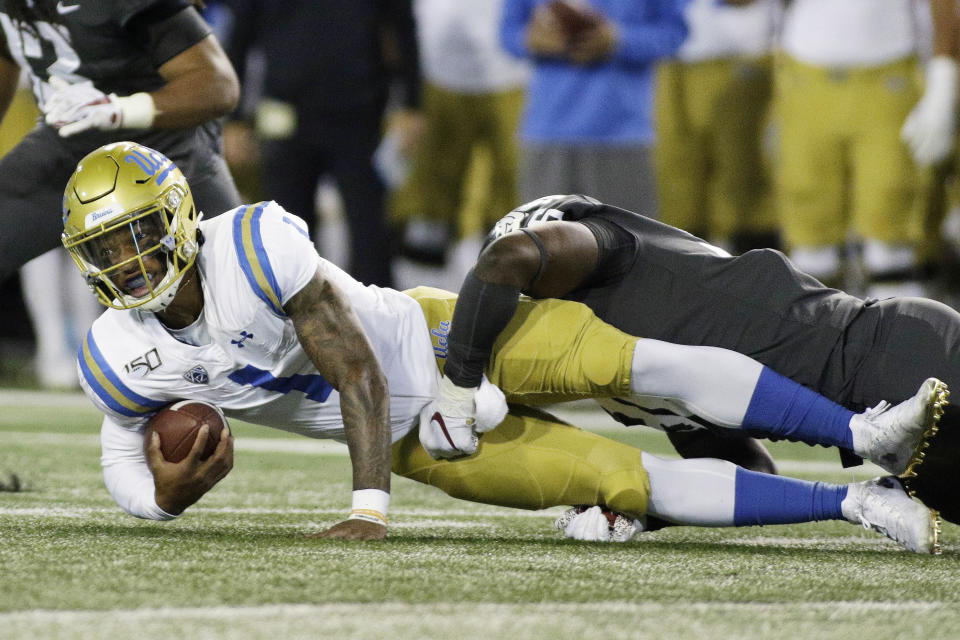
<point>881,504</point>
<point>890,436</point>
<point>597,524</point>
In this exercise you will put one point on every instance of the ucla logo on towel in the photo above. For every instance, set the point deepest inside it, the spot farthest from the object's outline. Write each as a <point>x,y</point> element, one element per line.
<point>197,375</point>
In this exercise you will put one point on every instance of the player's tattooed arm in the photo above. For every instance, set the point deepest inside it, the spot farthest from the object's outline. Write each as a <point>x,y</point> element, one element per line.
<point>331,334</point>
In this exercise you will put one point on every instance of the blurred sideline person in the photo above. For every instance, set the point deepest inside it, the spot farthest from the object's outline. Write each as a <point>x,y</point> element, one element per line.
<point>325,91</point>
<point>57,306</point>
<point>586,125</point>
<point>711,107</point>
<point>859,170</point>
<point>147,70</point>
<point>60,308</point>
<point>473,95</point>
<point>655,281</point>
<point>242,312</point>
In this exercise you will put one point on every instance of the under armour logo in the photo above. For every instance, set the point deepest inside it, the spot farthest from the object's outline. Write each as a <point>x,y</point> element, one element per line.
<point>243,336</point>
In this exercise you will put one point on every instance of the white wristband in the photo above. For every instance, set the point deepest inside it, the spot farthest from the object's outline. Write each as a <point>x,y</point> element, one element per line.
<point>370,505</point>
<point>137,111</point>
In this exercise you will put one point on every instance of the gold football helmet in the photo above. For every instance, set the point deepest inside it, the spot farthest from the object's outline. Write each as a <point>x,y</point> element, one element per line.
<point>130,224</point>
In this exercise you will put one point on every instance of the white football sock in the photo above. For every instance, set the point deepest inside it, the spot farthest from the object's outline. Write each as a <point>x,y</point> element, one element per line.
<point>715,384</point>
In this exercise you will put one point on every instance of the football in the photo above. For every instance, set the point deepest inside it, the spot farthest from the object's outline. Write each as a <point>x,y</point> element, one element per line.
<point>178,424</point>
<point>573,18</point>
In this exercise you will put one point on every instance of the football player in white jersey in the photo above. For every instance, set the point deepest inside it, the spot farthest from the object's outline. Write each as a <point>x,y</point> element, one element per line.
<point>241,312</point>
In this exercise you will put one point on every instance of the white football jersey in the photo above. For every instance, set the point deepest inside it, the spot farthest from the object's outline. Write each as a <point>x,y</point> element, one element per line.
<point>854,33</point>
<point>254,259</point>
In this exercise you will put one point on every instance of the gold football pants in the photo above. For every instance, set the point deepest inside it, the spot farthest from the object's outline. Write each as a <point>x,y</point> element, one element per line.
<point>841,160</point>
<point>712,178</point>
<point>552,350</point>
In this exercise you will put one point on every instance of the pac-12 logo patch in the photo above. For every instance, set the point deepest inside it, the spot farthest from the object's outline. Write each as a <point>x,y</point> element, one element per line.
<point>197,375</point>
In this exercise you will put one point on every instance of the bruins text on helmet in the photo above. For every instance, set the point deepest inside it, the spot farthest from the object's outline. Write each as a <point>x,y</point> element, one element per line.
<point>130,224</point>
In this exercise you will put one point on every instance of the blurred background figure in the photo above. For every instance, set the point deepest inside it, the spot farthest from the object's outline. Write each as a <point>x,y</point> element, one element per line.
<point>711,108</point>
<point>59,305</point>
<point>148,71</point>
<point>464,173</point>
<point>587,124</point>
<point>329,66</point>
<point>856,128</point>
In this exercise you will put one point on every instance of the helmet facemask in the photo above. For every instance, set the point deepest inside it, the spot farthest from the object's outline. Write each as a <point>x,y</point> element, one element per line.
<point>136,262</point>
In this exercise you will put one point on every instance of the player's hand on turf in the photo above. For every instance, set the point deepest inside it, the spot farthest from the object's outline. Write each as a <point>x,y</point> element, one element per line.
<point>353,530</point>
<point>179,485</point>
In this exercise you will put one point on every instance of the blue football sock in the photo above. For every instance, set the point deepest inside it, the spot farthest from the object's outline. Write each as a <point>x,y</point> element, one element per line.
<point>761,498</point>
<point>781,407</point>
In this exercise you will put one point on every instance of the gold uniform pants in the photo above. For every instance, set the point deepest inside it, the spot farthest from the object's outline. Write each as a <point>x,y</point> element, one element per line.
<point>841,160</point>
<point>466,164</point>
<point>552,350</point>
<point>712,179</point>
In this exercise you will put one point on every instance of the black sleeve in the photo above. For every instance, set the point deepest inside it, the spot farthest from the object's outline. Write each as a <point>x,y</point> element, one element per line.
<point>617,251</point>
<point>168,28</point>
<point>482,312</point>
<point>4,49</point>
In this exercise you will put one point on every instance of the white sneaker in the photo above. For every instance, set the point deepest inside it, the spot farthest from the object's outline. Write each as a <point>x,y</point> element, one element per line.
<point>890,435</point>
<point>597,524</point>
<point>881,504</point>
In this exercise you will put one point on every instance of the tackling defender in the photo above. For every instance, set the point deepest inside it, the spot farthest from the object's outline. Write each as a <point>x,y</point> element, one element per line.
<point>240,311</point>
<point>649,279</point>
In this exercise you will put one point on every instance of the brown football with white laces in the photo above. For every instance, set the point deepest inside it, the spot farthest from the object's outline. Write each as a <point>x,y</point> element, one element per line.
<point>178,425</point>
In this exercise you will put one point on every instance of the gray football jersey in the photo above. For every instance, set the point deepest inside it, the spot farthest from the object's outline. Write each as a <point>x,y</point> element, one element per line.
<point>92,42</point>
<point>666,284</point>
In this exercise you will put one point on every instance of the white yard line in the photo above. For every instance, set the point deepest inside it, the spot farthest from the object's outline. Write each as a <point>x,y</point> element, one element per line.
<point>480,512</point>
<point>434,610</point>
<point>28,398</point>
<point>310,446</point>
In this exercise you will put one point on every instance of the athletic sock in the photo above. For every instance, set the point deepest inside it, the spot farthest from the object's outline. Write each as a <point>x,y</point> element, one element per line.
<point>781,407</point>
<point>761,499</point>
